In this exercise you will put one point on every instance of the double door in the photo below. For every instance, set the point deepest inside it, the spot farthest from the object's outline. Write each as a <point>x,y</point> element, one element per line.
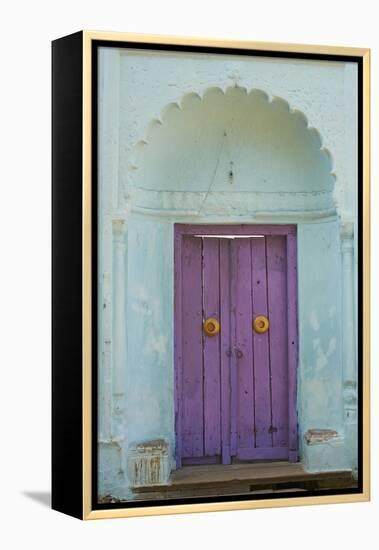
<point>235,343</point>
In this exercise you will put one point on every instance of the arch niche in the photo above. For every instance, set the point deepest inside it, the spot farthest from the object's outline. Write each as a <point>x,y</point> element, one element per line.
<point>232,153</point>
<point>231,156</point>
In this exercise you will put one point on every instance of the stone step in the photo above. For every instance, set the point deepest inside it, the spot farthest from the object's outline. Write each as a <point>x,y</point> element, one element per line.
<point>218,480</point>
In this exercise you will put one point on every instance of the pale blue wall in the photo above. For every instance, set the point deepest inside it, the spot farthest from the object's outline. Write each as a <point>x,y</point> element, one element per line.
<point>149,367</point>
<point>320,323</point>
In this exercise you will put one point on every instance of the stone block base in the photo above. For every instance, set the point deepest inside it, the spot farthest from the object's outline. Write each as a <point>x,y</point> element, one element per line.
<point>323,451</point>
<point>149,463</point>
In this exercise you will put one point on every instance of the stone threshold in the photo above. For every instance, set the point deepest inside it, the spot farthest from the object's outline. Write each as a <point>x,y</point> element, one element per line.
<point>245,478</point>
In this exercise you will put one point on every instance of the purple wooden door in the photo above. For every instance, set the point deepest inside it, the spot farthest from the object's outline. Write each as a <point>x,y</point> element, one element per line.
<point>201,428</point>
<point>260,382</point>
<point>235,391</point>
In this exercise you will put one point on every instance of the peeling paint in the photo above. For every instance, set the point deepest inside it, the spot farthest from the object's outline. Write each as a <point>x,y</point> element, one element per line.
<point>149,463</point>
<point>314,321</point>
<point>322,357</point>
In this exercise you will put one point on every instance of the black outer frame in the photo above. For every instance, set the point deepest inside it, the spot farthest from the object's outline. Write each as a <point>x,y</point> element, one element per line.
<point>67,413</point>
<point>67,162</point>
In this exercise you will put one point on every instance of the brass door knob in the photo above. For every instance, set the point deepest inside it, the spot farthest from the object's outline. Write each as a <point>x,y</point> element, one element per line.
<point>211,326</point>
<point>261,324</point>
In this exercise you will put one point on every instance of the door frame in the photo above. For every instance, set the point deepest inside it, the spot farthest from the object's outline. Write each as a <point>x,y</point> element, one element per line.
<point>290,232</point>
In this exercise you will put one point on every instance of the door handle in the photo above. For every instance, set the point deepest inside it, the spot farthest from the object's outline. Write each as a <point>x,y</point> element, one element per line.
<point>261,324</point>
<point>211,326</point>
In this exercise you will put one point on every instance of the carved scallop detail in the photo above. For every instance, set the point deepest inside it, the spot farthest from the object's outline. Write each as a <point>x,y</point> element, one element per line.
<point>232,140</point>
<point>190,101</point>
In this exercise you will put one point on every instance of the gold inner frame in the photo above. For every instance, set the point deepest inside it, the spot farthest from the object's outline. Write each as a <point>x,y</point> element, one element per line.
<point>88,513</point>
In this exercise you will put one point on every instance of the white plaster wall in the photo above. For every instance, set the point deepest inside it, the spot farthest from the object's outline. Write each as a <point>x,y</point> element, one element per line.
<point>137,404</point>
<point>150,379</point>
<point>320,373</point>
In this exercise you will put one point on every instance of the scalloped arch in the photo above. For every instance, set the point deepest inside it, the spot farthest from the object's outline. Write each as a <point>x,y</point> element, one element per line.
<point>233,141</point>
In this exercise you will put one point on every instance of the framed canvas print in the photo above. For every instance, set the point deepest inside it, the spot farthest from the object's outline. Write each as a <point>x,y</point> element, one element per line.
<point>210,275</point>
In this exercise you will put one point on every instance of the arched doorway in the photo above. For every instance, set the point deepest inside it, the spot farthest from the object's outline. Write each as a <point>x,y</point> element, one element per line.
<point>230,158</point>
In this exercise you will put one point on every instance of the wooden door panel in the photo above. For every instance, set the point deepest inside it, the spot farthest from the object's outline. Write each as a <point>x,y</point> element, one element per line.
<point>226,358</point>
<point>201,353</point>
<point>260,422</point>
<point>211,348</point>
<point>242,343</point>
<point>278,335</point>
<point>261,346</point>
<point>192,343</point>
<point>234,387</point>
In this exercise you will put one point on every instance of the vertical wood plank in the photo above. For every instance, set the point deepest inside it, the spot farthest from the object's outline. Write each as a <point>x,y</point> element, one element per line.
<point>243,344</point>
<point>234,391</point>
<point>276,248</point>
<point>292,344</point>
<point>178,345</point>
<point>211,348</point>
<point>262,375</point>
<point>192,396</point>
<point>225,350</point>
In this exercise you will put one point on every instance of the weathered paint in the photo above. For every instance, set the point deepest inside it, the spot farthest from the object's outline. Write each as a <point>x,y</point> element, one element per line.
<point>320,396</point>
<point>149,463</point>
<point>226,355</point>
<point>134,88</point>
<point>255,402</point>
<point>192,350</point>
